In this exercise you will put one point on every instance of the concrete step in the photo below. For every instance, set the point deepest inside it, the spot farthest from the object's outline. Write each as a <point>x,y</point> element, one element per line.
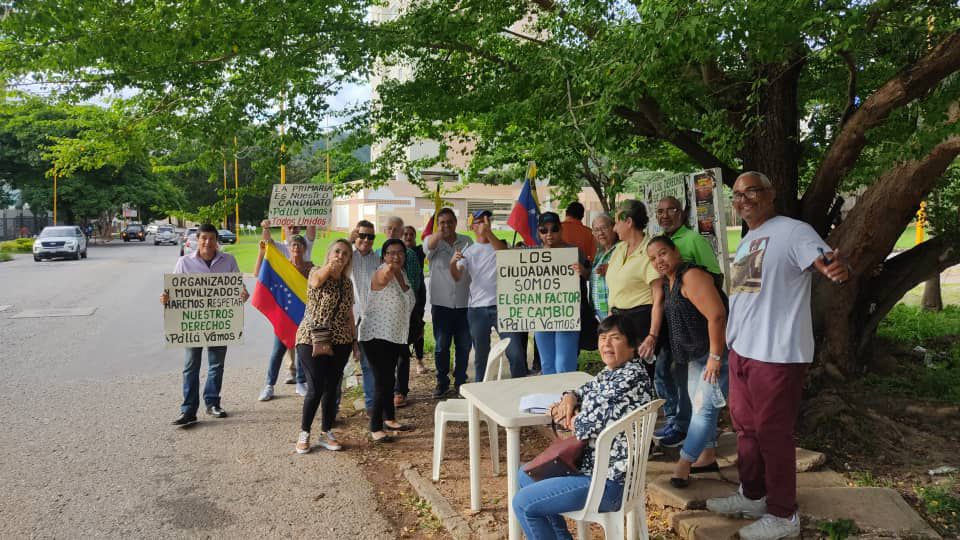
<point>807,460</point>
<point>706,486</point>
<point>877,512</point>
<point>873,509</point>
<point>703,525</point>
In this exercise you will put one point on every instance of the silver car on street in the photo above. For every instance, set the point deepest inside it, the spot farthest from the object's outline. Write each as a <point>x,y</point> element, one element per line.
<point>60,241</point>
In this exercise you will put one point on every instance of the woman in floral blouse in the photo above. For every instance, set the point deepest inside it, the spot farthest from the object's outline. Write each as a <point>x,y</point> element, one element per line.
<point>329,306</point>
<point>621,388</point>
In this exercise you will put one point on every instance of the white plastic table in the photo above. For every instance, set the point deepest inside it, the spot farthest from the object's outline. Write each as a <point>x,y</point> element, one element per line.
<point>500,401</point>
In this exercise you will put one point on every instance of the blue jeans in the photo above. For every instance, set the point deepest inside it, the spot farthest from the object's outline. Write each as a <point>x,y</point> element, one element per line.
<point>276,360</point>
<point>558,351</point>
<point>481,320</point>
<point>191,378</point>
<point>703,423</point>
<point>538,505</point>
<point>671,384</point>
<point>369,385</point>
<point>450,325</point>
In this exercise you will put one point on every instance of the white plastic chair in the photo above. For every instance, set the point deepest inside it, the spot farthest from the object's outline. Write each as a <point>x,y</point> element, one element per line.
<point>638,427</point>
<point>455,410</point>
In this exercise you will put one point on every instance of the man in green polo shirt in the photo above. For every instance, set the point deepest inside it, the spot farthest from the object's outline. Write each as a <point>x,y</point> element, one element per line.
<point>670,379</point>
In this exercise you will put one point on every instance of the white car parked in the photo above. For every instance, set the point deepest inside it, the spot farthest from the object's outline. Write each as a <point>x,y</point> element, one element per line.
<point>62,241</point>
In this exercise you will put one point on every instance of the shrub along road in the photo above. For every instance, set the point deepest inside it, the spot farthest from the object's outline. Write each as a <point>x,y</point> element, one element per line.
<point>86,404</point>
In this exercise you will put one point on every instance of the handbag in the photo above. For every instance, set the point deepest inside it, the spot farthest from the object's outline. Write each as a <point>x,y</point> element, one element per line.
<point>588,323</point>
<point>322,335</point>
<point>561,458</point>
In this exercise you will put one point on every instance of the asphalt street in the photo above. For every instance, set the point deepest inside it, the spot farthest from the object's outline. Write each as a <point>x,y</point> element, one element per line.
<point>85,408</point>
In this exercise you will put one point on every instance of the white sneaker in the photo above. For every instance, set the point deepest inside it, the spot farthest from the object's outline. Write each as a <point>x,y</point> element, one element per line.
<point>738,505</point>
<point>303,443</point>
<point>771,527</point>
<point>301,389</point>
<point>328,441</point>
<point>267,393</point>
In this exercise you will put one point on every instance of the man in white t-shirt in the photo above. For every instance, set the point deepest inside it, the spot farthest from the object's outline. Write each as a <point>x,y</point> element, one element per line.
<point>479,261</point>
<point>770,337</point>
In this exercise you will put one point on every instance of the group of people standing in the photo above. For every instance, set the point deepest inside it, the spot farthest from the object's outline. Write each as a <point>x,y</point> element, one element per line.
<point>665,323</point>
<point>752,349</point>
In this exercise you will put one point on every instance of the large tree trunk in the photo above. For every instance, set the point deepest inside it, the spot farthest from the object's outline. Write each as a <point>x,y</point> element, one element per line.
<point>846,316</point>
<point>773,147</point>
<point>932,295</point>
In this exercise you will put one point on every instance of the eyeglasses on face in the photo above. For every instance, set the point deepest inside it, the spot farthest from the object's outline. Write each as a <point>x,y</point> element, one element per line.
<point>393,253</point>
<point>667,211</point>
<point>366,236</point>
<point>548,230</point>
<point>749,194</point>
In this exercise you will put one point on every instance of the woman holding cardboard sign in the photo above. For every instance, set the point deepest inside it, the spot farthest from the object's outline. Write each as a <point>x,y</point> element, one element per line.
<point>558,350</point>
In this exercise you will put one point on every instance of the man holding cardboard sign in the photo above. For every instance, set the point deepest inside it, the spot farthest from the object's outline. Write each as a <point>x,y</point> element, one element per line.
<point>207,259</point>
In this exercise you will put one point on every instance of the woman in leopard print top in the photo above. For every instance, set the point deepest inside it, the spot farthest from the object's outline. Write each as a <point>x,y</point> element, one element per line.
<point>330,306</point>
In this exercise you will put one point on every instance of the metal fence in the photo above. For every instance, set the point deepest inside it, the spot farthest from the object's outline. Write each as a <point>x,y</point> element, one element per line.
<point>16,223</point>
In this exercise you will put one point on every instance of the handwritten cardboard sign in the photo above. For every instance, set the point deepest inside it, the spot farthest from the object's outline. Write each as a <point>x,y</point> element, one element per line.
<point>537,290</point>
<point>301,204</point>
<point>203,310</point>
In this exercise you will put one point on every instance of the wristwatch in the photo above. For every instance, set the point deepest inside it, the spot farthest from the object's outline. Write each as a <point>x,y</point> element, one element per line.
<point>712,356</point>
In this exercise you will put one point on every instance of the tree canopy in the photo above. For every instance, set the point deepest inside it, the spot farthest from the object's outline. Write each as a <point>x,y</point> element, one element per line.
<point>824,97</point>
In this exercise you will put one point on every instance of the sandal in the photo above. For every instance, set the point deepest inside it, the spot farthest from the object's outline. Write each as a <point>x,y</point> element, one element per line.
<point>381,440</point>
<point>421,369</point>
<point>679,483</point>
<point>713,467</point>
<point>400,427</point>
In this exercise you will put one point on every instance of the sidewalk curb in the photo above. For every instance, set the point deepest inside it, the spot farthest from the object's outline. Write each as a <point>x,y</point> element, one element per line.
<point>455,524</point>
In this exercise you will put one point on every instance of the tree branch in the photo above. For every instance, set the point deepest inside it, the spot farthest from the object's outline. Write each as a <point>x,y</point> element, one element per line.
<point>552,7</point>
<point>906,86</point>
<point>851,87</point>
<point>523,36</point>
<point>900,274</point>
<point>649,121</point>
<point>891,201</point>
<point>476,51</point>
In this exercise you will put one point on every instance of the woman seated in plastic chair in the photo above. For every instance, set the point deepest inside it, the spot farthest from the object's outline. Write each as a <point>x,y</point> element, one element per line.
<point>696,314</point>
<point>622,387</point>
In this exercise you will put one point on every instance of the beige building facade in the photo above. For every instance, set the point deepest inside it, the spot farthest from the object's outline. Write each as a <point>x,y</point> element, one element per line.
<point>407,201</point>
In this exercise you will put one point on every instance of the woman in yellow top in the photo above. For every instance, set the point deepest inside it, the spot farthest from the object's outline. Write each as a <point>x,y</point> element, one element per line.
<point>632,280</point>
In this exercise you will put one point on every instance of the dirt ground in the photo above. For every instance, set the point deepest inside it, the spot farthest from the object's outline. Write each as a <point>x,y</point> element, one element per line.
<point>874,440</point>
<point>400,503</point>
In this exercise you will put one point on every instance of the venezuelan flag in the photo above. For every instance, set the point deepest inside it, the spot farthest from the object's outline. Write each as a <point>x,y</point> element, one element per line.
<point>281,295</point>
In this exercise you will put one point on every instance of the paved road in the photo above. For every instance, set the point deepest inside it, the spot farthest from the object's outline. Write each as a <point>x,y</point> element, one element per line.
<point>85,405</point>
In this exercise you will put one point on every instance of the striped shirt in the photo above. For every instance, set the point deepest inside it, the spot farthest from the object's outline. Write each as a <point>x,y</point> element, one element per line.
<point>599,292</point>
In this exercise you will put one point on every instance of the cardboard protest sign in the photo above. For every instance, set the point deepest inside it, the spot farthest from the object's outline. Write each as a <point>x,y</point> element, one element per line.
<point>301,204</point>
<point>676,185</point>
<point>203,310</point>
<point>537,290</point>
<point>703,198</point>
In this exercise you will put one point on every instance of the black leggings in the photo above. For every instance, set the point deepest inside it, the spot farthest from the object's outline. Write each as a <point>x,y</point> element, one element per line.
<point>382,356</point>
<point>323,380</point>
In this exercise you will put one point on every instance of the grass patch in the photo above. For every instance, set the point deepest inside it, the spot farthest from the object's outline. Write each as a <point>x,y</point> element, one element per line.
<point>866,479</point>
<point>940,500</point>
<point>20,245</point>
<point>913,326</point>
<point>906,240</point>
<point>934,378</point>
<point>426,520</point>
<point>4,256</point>
<point>247,246</point>
<point>839,529</point>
